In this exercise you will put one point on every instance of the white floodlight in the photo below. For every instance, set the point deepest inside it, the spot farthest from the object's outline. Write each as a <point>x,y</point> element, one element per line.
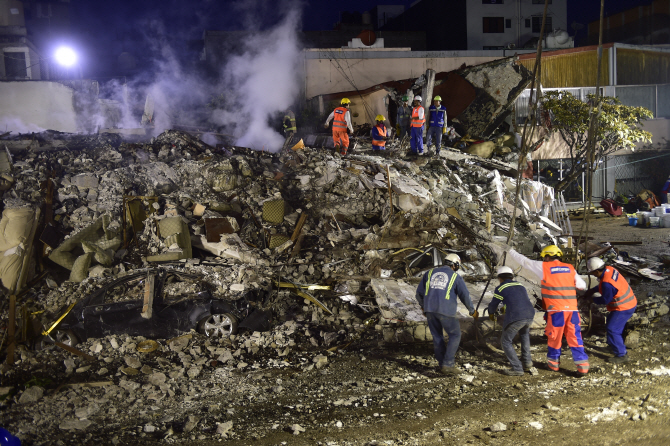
<point>66,56</point>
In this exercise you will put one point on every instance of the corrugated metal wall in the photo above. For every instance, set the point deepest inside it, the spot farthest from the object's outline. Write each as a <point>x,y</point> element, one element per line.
<point>571,70</point>
<point>635,67</point>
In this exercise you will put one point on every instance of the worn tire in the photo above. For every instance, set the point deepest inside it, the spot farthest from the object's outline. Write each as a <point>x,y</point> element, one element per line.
<point>66,337</point>
<point>218,325</point>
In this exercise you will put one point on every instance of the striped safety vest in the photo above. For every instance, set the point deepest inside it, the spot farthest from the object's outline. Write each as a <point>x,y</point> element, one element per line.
<point>381,129</point>
<point>558,286</point>
<point>624,299</point>
<point>338,121</point>
<point>416,122</point>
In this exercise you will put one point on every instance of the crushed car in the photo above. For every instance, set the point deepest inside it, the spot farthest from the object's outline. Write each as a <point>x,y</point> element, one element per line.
<point>157,304</point>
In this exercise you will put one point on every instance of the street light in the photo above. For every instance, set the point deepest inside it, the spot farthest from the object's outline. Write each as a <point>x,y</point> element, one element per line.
<point>65,56</point>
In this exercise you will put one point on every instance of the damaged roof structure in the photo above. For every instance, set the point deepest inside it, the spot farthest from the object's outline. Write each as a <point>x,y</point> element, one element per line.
<point>308,252</point>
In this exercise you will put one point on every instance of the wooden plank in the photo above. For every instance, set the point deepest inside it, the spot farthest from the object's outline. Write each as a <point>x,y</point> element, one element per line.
<point>11,346</point>
<point>624,243</point>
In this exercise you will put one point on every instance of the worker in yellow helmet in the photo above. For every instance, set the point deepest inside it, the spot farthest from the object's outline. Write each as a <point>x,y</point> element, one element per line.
<point>341,118</point>
<point>379,133</point>
<point>559,283</point>
<point>437,124</point>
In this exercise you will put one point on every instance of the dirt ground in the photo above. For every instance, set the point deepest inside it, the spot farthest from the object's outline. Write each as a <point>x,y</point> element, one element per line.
<point>374,393</point>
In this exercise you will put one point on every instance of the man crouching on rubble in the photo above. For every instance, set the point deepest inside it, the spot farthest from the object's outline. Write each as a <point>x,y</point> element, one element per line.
<point>437,294</point>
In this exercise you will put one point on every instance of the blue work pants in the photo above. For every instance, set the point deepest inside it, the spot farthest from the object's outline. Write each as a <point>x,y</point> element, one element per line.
<point>434,132</point>
<point>416,140</point>
<point>616,322</point>
<point>444,353</point>
<point>523,328</point>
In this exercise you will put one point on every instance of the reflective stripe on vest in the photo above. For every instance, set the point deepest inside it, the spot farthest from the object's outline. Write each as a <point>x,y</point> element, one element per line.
<point>624,299</point>
<point>382,134</point>
<point>438,116</point>
<point>452,280</point>
<point>339,120</point>
<point>416,122</point>
<point>291,121</point>
<point>502,287</point>
<point>558,286</point>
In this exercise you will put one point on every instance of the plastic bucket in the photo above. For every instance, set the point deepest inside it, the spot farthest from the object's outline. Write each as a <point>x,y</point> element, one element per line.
<point>665,221</point>
<point>632,221</point>
<point>654,222</point>
<point>659,211</point>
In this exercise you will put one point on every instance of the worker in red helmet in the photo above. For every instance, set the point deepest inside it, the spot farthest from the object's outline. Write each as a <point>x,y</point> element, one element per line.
<point>341,118</point>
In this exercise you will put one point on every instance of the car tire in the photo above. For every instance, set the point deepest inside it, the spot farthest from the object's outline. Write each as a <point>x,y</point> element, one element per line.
<point>218,325</point>
<point>66,337</point>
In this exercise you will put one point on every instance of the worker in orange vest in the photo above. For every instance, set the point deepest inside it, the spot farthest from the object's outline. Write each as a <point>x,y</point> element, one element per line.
<point>615,292</point>
<point>559,283</point>
<point>341,125</point>
<point>417,121</point>
<point>378,134</point>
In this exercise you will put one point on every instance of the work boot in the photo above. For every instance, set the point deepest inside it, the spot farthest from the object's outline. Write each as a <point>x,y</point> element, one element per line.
<point>618,359</point>
<point>450,371</point>
<point>512,372</point>
<point>527,366</point>
<point>553,365</point>
<point>343,152</point>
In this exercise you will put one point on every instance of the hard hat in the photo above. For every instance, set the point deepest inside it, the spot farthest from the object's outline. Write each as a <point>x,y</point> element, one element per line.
<point>380,118</point>
<point>453,259</point>
<point>504,270</point>
<point>551,250</point>
<point>437,98</point>
<point>345,101</point>
<point>418,98</point>
<point>595,263</point>
<point>405,99</point>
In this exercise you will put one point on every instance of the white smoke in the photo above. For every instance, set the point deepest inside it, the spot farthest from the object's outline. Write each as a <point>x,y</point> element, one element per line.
<point>265,80</point>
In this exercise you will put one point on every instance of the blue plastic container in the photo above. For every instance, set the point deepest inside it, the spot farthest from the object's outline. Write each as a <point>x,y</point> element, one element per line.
<point>632,221</point>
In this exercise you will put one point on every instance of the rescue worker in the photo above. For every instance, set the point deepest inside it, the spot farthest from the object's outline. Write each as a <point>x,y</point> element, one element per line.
<point>559,283</point>
<point>519,313</point>
<point>417,122</point>
<point>436,295</point>
<point>615,292</point>
<point>437,123</point>
<point>403,117</point>
<point>289,123</point>
<point>665,192</point>
<point>378,134</point>
<point>341,125</point>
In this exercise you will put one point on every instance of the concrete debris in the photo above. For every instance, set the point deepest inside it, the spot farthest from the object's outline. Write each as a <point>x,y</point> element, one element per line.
<point>498,427</point>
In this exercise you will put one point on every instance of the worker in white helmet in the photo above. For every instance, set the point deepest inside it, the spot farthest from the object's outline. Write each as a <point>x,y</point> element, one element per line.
<point>519,314</point>
<point>437,295</point>
<point>416,124</point>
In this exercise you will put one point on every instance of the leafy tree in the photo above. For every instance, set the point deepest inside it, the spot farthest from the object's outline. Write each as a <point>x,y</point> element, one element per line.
<point>617,127</point>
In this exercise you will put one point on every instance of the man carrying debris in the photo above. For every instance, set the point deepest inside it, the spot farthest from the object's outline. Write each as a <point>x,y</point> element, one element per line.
<point>615,292</point>
<point>437,124</point>
<point>402,118</point>
<point>341,125</point>
<point>559,283</point>
<point>519,313</point>
<point>378,134</point>
<point>418,120</point>
<point>436,295</point>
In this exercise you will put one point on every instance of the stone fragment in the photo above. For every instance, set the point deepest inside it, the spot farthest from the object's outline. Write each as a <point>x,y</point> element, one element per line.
<point>632,339</point>
<point>157,378</point>
<point>224,428</point>
<point>148,428</point>
<point>193,372</point>
<point>191,423</point>
<point>297,429</point>
<point>79,425</point>
<point>31,395</point>
<point>179,344</point>
<point>133,362</point>
<point>498,427</point>
<point>320,361</point>
<point>536,425</point>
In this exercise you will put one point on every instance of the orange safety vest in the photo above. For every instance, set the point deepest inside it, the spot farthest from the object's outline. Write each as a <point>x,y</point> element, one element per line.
<point>558,286</point>
<point>624,299</point>
<point>338,121</point>
<point>416,122</point>
<point>382,133</point>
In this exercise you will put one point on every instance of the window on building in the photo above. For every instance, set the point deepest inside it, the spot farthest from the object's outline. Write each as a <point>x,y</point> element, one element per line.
<point>527,23</point>
<point>537,24</point>
<point>15,65</point>
<point>493,24</point>
<point>508,23</point>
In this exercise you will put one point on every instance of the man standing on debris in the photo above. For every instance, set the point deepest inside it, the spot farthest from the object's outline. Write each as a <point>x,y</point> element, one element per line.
<point>378,134</point>
<point>403,116</point>
<point>289,123</point>
<point>341,125</point>
<point>418,120</point>
<point>559,283</point>
<point>437,124</point>
<point>436,295</point>
<point>519,313</point>
<point>615,292</point>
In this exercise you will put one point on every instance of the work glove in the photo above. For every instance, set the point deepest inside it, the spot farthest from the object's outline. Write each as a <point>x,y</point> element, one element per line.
<point>502,310</point>
<point>475,314</point>
<point>493,317</point>
<point>444,130</point>
<point>397,129</point>
<point>325,126</point>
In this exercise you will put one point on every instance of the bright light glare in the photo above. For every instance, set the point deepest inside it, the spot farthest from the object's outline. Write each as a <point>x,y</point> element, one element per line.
<point>66,56</point>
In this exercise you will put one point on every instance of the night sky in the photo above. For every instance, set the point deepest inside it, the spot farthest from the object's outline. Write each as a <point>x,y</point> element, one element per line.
<point>105,28</point>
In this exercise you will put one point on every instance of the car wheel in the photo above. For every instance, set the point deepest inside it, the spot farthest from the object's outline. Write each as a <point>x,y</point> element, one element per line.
<point>66,337</point>
<point>218,325</point>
